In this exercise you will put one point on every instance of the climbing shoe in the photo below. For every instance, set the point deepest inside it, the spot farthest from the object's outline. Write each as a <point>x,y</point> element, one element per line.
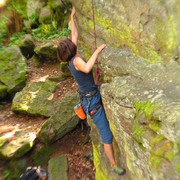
<point>118,170</point>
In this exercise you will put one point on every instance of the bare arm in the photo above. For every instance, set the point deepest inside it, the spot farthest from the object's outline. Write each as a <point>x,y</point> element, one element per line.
<point>74,32</point>
<point>87,67</point>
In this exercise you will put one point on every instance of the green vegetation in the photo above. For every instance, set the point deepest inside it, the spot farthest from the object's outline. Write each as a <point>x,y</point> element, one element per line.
<point>3,31</point>
<point>8,174</point>
<point>146,107</point>
<point>145,110</point>
<point>15,37</point>
<point>19,7</point>
<point>161,151</point>
<point>47,31</point>
<point>144,113</point>
<point>178,167</point>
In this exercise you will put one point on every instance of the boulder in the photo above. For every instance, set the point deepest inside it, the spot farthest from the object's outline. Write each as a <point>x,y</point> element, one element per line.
<point>36,99</point>
<point>33,11</point>
<point>65,72</point>
<point>46,51</point>
<point>3,91</point>
<point>26,44</point>
<point>45,16</point>
<point>58,168</point>
<point>16,144</point>
<point>61,122</point>
<point>60,12</point>
<point>14,69</point>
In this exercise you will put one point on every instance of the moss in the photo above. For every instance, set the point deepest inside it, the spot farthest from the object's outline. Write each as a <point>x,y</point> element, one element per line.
<point>121,35</point>
<point>178,146</point>
<point>130,158</point>
<point>100,173</point>
<point>2,141</point>
<point>137,132</point>
<point>161,150</point>
<point>145,111</point>
<point>156,140</point>
<point>86,51</point>
<point>154,125</point>
<point>155,162</point>
<point>63,66</point>
<point>42,156</point>
<point>146,107</point>
<point>167,45</point>
<point>178,167</point>
<point>149,54</point>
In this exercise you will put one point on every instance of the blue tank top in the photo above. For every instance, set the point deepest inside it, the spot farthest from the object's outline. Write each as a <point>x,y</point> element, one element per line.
<point>85,81</point>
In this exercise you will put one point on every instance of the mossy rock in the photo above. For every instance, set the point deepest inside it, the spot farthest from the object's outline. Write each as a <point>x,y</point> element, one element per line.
<point>35,99</point>
<point>33,11</point>
<point>46,50</point>
<point>61,12</point>
<point>61,122</point>
<point>58,168</point>
<point>27,44</point>
<point>45,15</point>
<point>3,91</point>
<point>18,146</point>
<point>42,156</point>
<point>65,72</point>
<point>14,69</point>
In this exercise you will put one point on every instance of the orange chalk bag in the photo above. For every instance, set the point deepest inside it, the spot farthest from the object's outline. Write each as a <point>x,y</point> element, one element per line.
<point>78,109</point>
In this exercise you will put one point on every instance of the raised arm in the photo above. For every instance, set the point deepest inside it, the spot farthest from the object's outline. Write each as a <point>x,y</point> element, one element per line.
<point>74,32</point>
<point>87,67</point>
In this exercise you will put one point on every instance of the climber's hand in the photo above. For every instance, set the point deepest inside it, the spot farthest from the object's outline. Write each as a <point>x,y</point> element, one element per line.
<point>101,47</point>
<point>73,12</point>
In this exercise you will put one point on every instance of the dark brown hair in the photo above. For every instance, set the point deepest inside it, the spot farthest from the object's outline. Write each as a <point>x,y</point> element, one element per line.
<point>66,50</point>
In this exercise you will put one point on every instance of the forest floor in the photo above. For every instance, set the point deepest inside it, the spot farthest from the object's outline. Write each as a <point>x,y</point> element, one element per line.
<point>80,165</point>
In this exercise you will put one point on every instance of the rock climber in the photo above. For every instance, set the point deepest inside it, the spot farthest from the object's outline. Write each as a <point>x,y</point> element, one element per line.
<point>88,90</point>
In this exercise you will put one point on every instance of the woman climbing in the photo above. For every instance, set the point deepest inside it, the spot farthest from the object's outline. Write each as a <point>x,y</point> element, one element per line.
<point>89,93</point>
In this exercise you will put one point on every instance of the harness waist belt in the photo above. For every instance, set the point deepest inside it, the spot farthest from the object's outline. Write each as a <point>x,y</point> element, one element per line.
<point>89,94</point>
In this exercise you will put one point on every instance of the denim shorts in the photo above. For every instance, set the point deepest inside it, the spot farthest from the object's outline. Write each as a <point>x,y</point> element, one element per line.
<point>99,118</point>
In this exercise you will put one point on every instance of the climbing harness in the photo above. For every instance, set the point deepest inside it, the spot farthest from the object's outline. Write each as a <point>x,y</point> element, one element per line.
<point>98,69</point>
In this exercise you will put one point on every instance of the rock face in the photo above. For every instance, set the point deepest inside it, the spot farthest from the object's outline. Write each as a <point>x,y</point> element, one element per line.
<point>141,76</point>
<point>139,27</point>
<point>14,70</point>
<point>143,109</point>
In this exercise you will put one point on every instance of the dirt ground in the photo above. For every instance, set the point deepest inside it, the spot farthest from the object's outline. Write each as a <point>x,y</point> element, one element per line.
<point>79,156</point>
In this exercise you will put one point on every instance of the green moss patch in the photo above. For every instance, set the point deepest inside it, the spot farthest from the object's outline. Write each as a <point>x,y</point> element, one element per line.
<point>42,156</point>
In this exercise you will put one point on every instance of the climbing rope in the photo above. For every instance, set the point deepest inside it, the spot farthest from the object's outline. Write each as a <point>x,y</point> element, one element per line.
<point>98,69</point>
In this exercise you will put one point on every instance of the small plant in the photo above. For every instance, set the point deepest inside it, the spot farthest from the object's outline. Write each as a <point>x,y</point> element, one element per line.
<point>19,7</point>
<point>3,30</point>
<point>146,107</point>
<point>15,37</point>
<point>7,174</point>
<point>47,31</point>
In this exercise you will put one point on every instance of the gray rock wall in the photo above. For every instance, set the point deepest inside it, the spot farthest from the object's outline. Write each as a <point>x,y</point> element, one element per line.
<point>141,83</point>
<point>147,28</point>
